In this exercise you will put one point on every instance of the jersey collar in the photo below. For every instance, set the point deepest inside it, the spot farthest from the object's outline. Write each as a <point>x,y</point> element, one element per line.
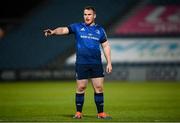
<point>91,25</point>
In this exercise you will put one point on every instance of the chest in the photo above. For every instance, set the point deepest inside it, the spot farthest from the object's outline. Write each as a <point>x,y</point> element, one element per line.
<point>85,33</point>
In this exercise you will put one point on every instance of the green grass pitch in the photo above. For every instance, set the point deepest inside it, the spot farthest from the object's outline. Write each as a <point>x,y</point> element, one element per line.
<point>53,101</point>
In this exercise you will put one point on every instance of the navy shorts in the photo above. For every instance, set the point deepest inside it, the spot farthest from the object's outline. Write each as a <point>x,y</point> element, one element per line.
<point>85,71</point>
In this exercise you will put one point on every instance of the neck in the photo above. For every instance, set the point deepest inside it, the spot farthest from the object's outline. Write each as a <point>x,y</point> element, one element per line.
<point>91,24</point>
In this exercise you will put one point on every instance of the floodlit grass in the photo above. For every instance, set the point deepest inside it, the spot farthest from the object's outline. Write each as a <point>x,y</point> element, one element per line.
<point>54,101</point>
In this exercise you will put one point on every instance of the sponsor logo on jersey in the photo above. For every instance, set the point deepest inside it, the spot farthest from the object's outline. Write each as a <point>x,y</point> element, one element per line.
<point>82,29</point>
<point>97,31</point>
<point>90,34</point>
<point>89,37</point>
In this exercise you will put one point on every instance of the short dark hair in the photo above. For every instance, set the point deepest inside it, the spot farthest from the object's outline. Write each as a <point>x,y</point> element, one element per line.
<point>90,8</point>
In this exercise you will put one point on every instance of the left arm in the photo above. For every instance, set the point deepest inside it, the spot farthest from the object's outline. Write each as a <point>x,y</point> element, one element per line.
<point>107,54</point>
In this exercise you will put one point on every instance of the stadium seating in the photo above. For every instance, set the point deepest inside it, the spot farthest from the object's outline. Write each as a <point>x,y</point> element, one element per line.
<point>25,47</point>
<point>155,18</point>
<point>163,2</point>
<point>25,53</point>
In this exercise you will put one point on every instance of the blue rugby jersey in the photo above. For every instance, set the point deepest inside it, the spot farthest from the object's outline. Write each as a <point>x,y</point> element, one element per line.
<point>88,40</point>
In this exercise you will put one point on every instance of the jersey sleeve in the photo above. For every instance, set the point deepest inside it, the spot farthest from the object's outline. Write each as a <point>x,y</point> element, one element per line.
<point>71,28</point>
<point>103,37</point>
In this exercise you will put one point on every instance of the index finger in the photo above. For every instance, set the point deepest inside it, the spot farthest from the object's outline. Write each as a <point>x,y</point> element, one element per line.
<point>46,30</point>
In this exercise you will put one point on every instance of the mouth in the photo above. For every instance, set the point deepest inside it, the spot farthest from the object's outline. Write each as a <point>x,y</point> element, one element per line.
<point>87,20</point>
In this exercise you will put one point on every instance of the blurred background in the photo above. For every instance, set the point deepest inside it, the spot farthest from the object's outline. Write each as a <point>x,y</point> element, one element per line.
<point>144,36</point>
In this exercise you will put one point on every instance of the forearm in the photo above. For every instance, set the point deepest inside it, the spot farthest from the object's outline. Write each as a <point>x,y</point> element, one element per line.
<point>107,51</point>
<point>107,54</point>
<point>60,31</point>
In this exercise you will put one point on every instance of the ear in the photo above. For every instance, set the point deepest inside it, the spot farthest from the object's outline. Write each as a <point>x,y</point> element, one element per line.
<point>94,16</point>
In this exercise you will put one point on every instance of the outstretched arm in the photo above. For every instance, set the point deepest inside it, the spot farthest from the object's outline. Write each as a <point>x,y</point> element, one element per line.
<point>107,54</point>
<point>57,31</point>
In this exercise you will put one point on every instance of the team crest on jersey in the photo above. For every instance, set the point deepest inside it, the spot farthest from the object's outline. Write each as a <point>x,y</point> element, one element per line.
<point>82,29</point>
<point>97,31</point>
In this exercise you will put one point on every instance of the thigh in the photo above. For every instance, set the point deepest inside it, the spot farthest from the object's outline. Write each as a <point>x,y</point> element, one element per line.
<point>82,72</point>
<point>97,71</point>
<point>82,82</point>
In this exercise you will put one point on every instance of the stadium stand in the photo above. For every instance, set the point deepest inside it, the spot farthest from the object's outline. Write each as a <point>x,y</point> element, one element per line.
<point>163,2</point>
<point>26,47</point>
<point>145,42</point>
<point>151,33</point>
<point>155,18</point>
<point>12,12</point>
<point>25,53</point>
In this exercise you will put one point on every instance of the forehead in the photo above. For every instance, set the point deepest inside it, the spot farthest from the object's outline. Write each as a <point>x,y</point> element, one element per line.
<point>88,11</point>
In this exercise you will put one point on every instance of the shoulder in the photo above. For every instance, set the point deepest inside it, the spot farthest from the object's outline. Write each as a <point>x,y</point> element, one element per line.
<point>74,27</point>
<point>101,28</point>
<point>76,24</point>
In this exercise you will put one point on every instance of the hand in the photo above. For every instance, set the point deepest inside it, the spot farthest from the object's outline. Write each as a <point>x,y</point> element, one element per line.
<point>108,68</point>
<point>48,32</point>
